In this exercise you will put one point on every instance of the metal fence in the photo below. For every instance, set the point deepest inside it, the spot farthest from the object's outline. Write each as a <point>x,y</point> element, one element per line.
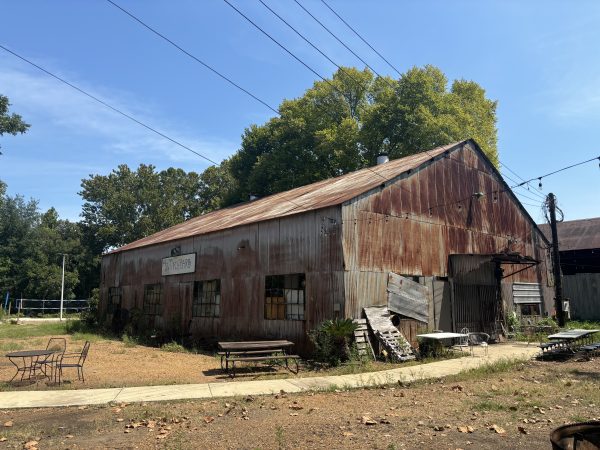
<point>40,307</point>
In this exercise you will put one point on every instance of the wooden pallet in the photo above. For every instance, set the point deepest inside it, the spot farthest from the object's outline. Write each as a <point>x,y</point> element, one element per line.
<point>390,338</point>
<point>361,337</point>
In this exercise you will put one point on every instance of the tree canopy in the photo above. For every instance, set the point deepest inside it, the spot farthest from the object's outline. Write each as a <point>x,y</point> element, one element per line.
<point>341,124</point>
<point>10,123</point>
<point>127,205</point>
<point>31,248</point>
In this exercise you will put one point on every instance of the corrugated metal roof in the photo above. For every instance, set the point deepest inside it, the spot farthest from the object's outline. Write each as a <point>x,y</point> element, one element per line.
<point>321,194</point>
<point>576,234</point>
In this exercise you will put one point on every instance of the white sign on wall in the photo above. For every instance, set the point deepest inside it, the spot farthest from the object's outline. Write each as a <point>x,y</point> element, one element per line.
<point>179,264</point>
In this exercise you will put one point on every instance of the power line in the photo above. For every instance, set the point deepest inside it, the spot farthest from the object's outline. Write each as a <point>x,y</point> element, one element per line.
<point>278,43</point>
<point>361,38</point>
<point>341,42</point>
<point>527,197</point>
<point>519,177</point>
<point>372,48</point>
<point>102,102</point>
<point>511,188</point>
<point>181,49</point>
<point>540,196</point>
<point>529,204</point>
<point>311,43</point>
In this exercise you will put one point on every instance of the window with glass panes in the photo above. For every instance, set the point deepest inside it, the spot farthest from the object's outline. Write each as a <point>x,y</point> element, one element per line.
<point>284,297</point>
<point>114,299</point>
<point>153,299</point>
<point>207,299</point>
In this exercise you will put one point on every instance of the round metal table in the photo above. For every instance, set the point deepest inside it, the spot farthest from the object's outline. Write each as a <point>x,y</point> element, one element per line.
<point>26,361</point>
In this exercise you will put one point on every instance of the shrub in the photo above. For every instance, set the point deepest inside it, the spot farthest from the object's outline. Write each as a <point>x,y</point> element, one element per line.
<point>173,347</point>
<point>89,317</point>
<point>331,340</point>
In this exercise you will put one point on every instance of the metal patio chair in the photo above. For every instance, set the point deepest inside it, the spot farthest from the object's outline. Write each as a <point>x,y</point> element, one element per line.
<point>479,339</point>
<point>463,342</point>
<point>78,361</point>
<point>59,345</point>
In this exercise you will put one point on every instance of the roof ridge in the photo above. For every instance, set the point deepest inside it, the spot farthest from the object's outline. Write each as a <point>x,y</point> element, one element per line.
<point>302,194</point>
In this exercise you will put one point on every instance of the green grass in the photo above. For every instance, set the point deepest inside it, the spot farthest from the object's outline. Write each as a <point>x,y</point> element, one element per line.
<point>173,347</point>
<point>92,337</point>
<point>583,325</point>
<point>22,331</point>
<point>11,346</point>
<point>499,366</point>
<point>489,405</point>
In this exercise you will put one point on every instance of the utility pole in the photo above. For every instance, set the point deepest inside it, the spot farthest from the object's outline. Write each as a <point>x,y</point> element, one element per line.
<point>558,295</point>
<point>62,287</point>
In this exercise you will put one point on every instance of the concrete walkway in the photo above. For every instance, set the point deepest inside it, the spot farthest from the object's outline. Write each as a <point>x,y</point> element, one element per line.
<point>80,397</point>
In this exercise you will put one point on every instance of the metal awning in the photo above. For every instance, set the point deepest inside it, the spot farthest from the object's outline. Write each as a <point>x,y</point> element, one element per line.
<point>514,258</point>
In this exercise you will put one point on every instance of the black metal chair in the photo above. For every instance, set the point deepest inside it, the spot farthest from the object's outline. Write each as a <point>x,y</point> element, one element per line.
<point>480,339</point>
<point>80,360</point>
<point>59,345</point>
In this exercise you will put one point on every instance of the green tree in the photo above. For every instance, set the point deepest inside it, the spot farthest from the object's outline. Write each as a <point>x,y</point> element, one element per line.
<point>341,124</point>
<point>127,205</point>
<point>31,245</point>
<point>42,264</point>
<point>18,219</point>
<point>10,123</point>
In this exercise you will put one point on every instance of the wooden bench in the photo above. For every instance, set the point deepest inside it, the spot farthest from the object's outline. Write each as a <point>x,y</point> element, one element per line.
<point>223,355</point>
<point>271,357</point>
<point>591,348</point>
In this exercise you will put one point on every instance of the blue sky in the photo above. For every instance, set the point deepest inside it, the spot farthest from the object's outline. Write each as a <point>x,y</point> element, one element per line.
<point>539,59</point>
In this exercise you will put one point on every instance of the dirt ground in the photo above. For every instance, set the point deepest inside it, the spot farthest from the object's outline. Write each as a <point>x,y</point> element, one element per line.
<point>112,363</point>
<point>505,410</point>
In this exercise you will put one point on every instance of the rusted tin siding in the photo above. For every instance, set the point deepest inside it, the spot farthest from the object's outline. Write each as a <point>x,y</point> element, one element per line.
<point>411,224</point>
<point>241,257</point>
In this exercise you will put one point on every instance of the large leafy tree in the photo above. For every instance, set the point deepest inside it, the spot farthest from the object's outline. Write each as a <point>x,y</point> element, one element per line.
<point>42,263</point>
<point>341,124</point>
<point>129,204</point>
<point>31,245</point>
<point>10,123</point>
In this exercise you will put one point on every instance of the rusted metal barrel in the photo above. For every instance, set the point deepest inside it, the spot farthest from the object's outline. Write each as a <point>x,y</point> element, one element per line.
<point>576,436</point>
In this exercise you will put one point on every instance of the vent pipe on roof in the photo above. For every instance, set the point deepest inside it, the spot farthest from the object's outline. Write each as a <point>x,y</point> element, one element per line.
<point>382,158</point>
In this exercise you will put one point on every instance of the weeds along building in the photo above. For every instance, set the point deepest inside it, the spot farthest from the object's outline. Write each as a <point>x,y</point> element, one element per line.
<point>278,266</point>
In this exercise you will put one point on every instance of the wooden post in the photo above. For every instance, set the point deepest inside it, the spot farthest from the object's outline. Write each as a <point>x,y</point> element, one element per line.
<point>558,295</point>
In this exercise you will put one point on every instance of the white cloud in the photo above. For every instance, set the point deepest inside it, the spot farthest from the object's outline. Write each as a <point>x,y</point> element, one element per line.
<point>58,105</point>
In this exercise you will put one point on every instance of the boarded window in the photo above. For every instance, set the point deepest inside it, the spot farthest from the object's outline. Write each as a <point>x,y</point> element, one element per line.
<point>114,299</point>
<point>153,299</point>
<point>207,299</point>
<point>284,297</point>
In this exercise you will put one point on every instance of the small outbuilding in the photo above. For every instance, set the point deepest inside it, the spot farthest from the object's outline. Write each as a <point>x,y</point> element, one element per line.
<point>579,249</point>
<point>278,266</point>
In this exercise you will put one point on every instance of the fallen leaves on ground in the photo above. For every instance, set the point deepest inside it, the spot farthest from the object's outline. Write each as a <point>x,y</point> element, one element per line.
<point>497,429</point>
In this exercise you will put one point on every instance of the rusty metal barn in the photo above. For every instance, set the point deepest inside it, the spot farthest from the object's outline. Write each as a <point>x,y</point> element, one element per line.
<point>278,266</point>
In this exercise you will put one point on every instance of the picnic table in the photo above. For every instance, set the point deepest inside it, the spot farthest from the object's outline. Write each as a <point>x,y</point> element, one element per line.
<point>255,351</point>
<point>443,336</point>
<point>27,361</point>
<point>568,340</point>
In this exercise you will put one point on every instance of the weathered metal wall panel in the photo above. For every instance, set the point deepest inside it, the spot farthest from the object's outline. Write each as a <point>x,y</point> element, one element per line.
<point>584,291</point>
<point>412,224</point>
<point>241,258</point>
